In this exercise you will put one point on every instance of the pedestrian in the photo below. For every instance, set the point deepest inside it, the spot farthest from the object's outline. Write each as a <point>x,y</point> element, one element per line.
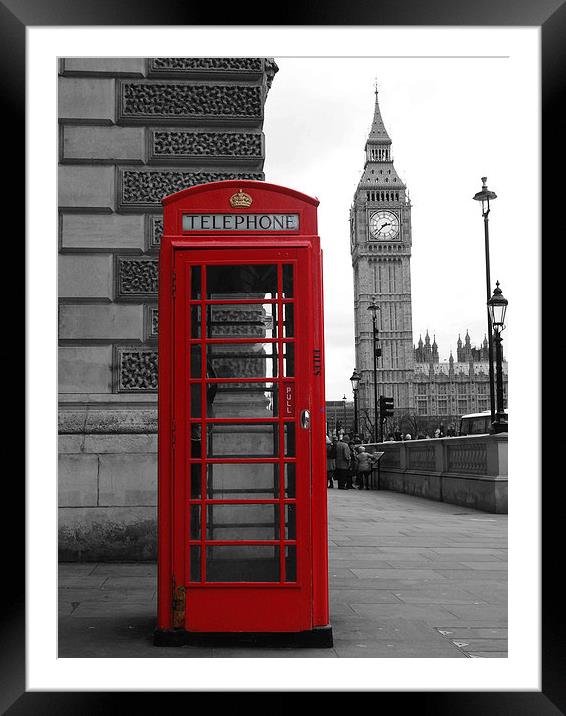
<point>365,463</point>
<point>353,472</point>
<point>330,461</point>
<point>437,433</point>
<point>343,464</point>
<point>408,436</point>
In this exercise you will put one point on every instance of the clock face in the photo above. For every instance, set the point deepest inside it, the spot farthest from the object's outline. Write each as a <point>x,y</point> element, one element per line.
<point>384,225</point>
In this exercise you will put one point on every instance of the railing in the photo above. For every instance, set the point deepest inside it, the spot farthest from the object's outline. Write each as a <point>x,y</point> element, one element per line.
<point>469,470</point>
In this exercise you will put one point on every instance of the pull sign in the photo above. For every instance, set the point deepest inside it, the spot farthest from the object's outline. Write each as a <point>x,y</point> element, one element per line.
<point>289,400</point>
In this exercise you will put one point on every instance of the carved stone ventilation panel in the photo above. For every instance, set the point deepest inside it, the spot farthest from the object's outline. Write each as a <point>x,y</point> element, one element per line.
<point>165,66</point>
<point>136,277</point>
<point>135,369</point>
<point>139,189</point>
<point>174,145</point>
<point>147,102</point>
<point>154,233</point>
<point>151,323</point>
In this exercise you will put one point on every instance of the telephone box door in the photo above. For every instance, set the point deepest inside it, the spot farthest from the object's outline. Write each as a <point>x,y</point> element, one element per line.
<point>242,458</point>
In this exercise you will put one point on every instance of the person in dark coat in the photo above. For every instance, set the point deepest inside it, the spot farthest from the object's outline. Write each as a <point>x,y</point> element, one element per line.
<point>343,463</point>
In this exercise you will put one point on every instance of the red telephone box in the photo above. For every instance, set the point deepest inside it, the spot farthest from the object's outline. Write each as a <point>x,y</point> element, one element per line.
<point>242,455</point>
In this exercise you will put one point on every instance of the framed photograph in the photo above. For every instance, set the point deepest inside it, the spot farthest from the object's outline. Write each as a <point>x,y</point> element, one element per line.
<point>454,90</point>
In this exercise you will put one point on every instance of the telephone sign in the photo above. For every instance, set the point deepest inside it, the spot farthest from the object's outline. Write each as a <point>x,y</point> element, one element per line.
<point>242,454</point>
<point>240,222</point>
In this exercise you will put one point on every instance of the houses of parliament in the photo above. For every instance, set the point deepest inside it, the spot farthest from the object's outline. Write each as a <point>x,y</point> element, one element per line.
<point>426,391</point>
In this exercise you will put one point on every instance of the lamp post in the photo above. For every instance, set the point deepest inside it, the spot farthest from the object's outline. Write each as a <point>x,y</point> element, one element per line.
<point>355,381</point>
<point>485,196</point>
<point>374,308</point>
<point>497,306</point>
<point>344,404</point>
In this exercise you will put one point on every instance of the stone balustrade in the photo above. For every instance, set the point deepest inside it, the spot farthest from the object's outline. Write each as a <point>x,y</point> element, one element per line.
<point>470,471</point>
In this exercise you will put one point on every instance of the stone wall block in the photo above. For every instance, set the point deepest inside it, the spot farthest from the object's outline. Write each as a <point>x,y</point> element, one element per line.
<point>85,277</point>
<point>103,144</point>
<point>128,479</point>
<point>87,100</point>
<point>97,232</point>
<point>77,479</point>
<point>85,369</point>
<point>90,421</point>
<point>101,322</point>
<point>86,187</point>
<point>114,66</point>
<point>120,443</point>
<point>71,444</point>
<point>108,534</point>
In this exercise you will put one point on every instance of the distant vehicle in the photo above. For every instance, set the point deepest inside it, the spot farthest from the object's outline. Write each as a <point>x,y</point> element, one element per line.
<point>476,423</point>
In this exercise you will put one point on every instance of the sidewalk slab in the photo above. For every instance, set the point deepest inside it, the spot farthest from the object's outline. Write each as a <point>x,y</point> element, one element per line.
<point>409,578</point>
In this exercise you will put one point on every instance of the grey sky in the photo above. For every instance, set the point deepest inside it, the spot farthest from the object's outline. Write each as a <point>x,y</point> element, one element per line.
<point>449,126</point>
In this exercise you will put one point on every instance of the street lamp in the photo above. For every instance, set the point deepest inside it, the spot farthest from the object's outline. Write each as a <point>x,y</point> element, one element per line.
<point>355,381</point>
<point>497,306</point>
<point>374,308</point>
<point>485,196</point>
<point>344,404</point>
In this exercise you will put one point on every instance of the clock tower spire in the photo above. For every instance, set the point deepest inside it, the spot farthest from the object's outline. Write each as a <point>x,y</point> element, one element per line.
<point>380,243</point>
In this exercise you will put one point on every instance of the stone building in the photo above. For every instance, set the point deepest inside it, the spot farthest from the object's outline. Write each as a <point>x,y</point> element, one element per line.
<point>380,243</point>
<point>339,416</point>
<point>426,392</point>
<point>132,130</point>
<point>445,390</point>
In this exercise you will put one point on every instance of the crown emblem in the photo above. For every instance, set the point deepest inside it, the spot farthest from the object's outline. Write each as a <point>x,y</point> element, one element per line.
<point>240,200</point>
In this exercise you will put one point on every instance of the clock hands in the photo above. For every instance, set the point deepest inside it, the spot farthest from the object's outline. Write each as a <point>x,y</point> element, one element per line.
<point>383,227</point>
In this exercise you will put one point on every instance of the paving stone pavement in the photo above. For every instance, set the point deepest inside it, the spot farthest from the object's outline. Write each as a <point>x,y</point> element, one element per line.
<point>409,577</point>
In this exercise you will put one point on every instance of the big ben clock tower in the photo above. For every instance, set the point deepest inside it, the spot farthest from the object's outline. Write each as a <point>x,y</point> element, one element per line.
<point>380,236</point>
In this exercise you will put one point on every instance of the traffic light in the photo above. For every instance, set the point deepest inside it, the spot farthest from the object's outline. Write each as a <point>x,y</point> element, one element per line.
<point>385,407</point>
<point>377,352</point>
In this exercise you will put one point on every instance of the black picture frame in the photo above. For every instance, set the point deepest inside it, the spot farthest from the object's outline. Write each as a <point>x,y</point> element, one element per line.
<point>550,16</point>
